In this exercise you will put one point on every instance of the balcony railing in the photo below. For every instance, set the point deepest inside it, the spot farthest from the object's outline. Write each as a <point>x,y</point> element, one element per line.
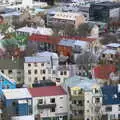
<point>43,106</point>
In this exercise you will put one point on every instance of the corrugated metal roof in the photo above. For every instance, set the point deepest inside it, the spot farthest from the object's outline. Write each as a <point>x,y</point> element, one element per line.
<point>18,93</point>
<point>36,59</point>
<point>47,91</point>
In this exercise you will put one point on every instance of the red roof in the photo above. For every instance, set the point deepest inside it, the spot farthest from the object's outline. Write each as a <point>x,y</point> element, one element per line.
<point>56,39</point>
<point>103,71</point>
<point>47,91</point>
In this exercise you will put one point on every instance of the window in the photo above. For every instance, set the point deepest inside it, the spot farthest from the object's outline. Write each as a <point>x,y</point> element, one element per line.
<point>36,79</point>
<point>74,92</point>
<point>61,73</point>
<point>40,101</point>
<point>35,64</point>
<point>2,71</point>
<point>44,78</point>
<point>108,109</point>
<point>74,102</point>
<point>65,72</point>
<point>29,64</point>
<point>97,100</point>
<point>61,97</point>
<point>42,64</point>
<point>80,103</point>
<point>44,71</point>
<point>35,71</point>
<point>29,72</point>
<point>52,100</point>
<point>119,107</point>
<point>10,71</point>
<point>52,110</point>
<point>96,91</point>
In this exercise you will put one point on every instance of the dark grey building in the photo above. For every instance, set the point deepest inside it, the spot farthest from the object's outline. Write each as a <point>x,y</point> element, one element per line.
<point>104,11</point>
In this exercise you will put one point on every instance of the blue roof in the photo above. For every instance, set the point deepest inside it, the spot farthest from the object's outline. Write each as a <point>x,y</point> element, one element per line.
<point>36,59</point>
<point>82,82</point>
<point>111,95</point>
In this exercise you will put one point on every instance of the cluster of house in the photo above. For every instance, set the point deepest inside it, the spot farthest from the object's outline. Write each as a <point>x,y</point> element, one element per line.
<point>52,77</point>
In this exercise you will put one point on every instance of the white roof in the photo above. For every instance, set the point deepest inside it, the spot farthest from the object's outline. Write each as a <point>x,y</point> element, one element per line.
<point>81,43</point>
<point>47,54</point>
<point>113,45</point>
<point>18,93</point>
<point>109,51</point>
<point>38,30</point>
<point>31,117</point>
<point>67,15</point>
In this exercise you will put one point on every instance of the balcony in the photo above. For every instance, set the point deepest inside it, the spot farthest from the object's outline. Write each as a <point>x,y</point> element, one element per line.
<point>43,106</point>
<point>77,107</point>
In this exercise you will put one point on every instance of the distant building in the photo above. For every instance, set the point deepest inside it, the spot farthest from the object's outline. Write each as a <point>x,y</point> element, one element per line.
<point>104,11</point>
<point>62,18</point>
<point>50,103</point>
<point>17,102</point>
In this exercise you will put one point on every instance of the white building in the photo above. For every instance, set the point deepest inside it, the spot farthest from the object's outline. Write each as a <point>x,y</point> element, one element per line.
<point>38,30</point>
<point>50,102</point>
<point>36,68</point>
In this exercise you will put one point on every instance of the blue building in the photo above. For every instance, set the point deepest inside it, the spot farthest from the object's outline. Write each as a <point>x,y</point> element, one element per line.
<point>6,83</point>
<point>111,102</point>
<point>17,102</point>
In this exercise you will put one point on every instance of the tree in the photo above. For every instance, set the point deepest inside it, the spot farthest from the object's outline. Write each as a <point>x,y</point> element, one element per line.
<point>83,30</point>
<point>69,30</point>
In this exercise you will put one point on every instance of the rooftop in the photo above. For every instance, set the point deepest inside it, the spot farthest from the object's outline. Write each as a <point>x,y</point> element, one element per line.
<point>38,30</point>
<point>47,91</point>
<point>103,71</point>
<point>82,82</point>
<point>72,43</point>
<point>18,93</point>
<point>36,59</point>
<point>111,95</point>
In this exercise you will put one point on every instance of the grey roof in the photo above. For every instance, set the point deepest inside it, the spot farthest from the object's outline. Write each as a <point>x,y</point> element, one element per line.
<point>82,82</point>
<point>36,59</point>
<point>11,64</point>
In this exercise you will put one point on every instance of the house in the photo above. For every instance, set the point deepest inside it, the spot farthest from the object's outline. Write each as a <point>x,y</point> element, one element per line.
<point>111,53</point>
<point>102,72</point>
<point>50,103</point>
<point>17,102</point>
<point>13,68</point>
<point>31,30</point>
<point>62,18</point>
<point>36,68</point>
<point>6,82</point>
<point>85,97</point>
<point>67,46</point>
<point>111,102</point>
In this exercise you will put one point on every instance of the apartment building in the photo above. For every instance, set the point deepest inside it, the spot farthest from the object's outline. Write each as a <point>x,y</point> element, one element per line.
<point>62,18</point>
<point>85,98</point>
<point>50,103</point>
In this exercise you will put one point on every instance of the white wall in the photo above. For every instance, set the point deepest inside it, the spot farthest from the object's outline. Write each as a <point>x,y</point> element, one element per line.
<point>59,103</point>
<point>115,111</point>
